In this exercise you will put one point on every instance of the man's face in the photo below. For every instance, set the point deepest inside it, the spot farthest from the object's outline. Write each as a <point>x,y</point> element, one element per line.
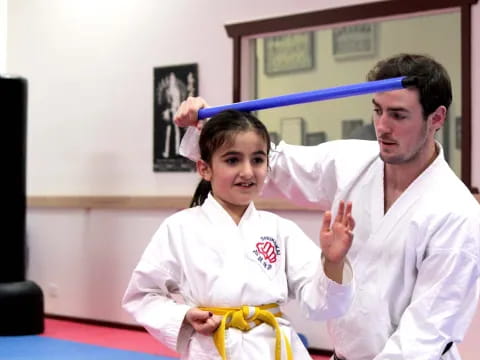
<point>402,132</point>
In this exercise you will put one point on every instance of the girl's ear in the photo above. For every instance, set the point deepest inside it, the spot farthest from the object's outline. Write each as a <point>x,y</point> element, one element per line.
<point>204,170</point>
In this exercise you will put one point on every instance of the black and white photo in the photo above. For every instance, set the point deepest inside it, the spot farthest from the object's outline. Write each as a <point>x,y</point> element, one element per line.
<point>172,85</point>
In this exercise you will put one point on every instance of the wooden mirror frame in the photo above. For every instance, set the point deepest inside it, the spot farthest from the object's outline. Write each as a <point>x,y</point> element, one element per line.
<point>238,31</point>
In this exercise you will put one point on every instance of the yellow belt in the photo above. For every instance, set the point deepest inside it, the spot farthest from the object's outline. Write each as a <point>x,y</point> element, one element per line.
<point>245,318</point>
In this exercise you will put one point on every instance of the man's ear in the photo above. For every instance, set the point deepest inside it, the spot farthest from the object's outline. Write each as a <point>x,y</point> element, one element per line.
<point>438,117</point>
<point>204,170</point>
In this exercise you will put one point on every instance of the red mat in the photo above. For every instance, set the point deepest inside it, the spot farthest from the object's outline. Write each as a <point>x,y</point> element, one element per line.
<point>133,340</point>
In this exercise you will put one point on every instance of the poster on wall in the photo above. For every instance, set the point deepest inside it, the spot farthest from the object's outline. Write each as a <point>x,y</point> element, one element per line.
<point>172,85</point>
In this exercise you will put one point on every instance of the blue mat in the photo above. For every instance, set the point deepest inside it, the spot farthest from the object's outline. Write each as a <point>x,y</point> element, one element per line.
<point>44,348</point>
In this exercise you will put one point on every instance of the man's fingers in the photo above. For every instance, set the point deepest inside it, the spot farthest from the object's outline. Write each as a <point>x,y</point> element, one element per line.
<point>187,113</point>
<point>200,124</point>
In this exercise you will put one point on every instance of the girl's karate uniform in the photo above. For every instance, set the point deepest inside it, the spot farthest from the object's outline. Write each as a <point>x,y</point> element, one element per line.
<point>199,257</point>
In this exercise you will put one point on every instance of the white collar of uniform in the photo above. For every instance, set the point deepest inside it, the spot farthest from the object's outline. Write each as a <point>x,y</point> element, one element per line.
<point>440,158</point>
<point>216,212</point>
<point>440,150</point>
<point>438,162</point>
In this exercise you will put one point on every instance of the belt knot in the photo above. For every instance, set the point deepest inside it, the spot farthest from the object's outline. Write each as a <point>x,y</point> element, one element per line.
<point>245,318</point>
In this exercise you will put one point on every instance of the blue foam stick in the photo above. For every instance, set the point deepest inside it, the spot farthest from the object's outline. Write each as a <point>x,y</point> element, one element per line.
<point>310,96</point>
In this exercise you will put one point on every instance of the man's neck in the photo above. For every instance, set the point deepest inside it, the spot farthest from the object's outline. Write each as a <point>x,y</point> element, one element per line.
<point>398,177</point>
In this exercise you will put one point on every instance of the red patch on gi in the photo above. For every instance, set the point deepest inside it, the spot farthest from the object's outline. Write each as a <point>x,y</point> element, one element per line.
<point>267,250</point>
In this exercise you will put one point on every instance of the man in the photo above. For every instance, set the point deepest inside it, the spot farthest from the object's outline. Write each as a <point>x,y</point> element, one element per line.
<point>416,248</point>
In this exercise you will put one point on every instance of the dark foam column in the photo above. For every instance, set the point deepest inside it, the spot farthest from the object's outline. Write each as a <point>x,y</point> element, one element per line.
<point>21,301</point>
<point>13,115</point>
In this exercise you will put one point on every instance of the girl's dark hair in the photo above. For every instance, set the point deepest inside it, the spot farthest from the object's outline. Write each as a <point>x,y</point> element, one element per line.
<point>218,131</point>
<point>432,80</point>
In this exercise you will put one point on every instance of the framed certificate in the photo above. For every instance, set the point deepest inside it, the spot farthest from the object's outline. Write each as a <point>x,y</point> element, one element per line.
<point>293,130</point>
<point>354,41</point>
<point>288,53</point>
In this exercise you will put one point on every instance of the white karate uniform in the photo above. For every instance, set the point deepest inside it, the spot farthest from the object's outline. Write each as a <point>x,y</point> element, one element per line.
<point>202,257</point>
<point>416,267</point>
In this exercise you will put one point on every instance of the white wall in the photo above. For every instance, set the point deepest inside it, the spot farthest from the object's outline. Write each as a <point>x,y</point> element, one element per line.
<point>3,36</point>
<point>89,65</point>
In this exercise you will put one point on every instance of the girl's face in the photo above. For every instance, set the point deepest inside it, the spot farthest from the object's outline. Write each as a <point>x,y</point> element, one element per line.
<point>237,171</point>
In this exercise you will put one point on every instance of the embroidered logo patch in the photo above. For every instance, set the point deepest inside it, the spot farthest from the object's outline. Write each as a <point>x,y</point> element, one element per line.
<point>267,251</point>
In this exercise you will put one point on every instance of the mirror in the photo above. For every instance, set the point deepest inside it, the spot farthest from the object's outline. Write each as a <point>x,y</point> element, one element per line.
<point>343,55</point>
<point>332,48</point>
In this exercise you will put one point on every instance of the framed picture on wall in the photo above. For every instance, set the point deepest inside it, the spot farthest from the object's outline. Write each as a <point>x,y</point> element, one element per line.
<point>349,126</point>
<point>315,138</point>
<point>274,137</point>
<point>354,41</point>
<point>171,85</point>
<point>288,53</point>
<point>293,130</point>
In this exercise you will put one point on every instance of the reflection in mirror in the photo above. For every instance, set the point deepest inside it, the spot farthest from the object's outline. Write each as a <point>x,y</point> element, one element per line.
<point>301,61</point>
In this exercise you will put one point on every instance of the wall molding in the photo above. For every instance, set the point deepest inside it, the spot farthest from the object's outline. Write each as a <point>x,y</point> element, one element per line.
<point>147,202</point>
<point>142,202</point>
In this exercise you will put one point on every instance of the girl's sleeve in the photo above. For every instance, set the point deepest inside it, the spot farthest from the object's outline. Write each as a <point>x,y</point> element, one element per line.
<point>320,297</point>
<point>153,294</point>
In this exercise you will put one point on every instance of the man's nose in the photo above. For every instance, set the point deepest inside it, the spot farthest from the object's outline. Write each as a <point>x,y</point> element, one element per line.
<point>382,124</point>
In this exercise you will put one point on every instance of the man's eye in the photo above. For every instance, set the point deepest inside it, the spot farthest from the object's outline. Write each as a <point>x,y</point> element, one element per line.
<point>398,116</point>
<point>377,111</point>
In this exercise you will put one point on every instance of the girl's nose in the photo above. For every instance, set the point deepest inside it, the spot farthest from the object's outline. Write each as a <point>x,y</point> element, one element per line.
<point>246,170</point>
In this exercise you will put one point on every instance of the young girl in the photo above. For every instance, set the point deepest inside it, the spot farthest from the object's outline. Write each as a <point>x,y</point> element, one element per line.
<point>210,282</point>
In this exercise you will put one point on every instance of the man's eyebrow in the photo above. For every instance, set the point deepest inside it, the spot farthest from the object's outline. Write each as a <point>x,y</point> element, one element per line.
<point>399,108</point>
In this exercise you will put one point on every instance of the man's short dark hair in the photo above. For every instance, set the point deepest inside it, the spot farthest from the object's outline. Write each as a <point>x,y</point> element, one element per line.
<point>432,80</point>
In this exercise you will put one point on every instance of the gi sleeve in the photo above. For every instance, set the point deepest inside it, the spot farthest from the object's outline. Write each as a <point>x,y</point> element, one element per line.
<point>444,298</point>
<point>189,145</point>
<point>303,174</point>
<point>152,293</point>
<point>320,297</point>
<point>314,175</point>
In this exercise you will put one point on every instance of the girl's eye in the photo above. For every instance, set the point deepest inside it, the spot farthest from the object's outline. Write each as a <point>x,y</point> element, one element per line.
<point>231,161</point>
<point>259,160</point>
